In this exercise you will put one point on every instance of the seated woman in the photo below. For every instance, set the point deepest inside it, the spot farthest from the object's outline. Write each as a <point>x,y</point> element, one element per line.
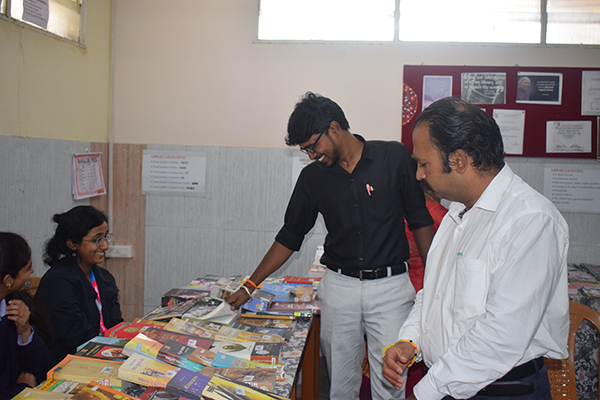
<point>24,357</point>
<point>80,296</point>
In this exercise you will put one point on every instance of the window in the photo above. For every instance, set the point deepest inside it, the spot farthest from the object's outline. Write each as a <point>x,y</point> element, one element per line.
<point>62,18</point>
<point>482,21</point>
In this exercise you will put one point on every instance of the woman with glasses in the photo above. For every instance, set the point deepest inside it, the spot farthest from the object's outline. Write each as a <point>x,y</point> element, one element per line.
<point>24,357</point>
<point>79,295</point>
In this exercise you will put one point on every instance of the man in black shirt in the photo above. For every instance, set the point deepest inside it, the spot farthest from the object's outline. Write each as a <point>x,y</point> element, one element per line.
<point>364,190</point>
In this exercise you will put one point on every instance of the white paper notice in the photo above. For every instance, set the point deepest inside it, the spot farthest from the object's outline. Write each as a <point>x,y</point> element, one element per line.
<point>568,136</point>
<point>573,187</point>
<point>299,161</point>
<point>88,180</point>
<point>512,125</point>
<point>174,172</point>
<point>590,93</point>
<point>36,12</point>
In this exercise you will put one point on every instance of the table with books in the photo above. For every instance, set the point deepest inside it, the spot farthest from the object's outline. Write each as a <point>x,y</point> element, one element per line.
<point>193,346</point>
<point>584,288</point>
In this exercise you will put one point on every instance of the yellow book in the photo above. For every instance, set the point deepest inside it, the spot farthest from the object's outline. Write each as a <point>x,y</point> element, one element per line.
<point>146,371</point>
<point>85,369</point>
<point>179,325</point>
<point>142,344</point>
<point>36,394</point>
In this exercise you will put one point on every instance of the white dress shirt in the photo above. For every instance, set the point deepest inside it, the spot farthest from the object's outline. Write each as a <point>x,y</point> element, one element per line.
<point>495,291</point>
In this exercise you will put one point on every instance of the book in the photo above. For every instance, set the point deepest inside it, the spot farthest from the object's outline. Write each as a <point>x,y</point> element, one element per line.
<point>36,394</point>
<point>223,288</point>
<point>289,306</point>
<point>203,307</point>
<point>317,270</point>
<point>168,312</point>
<point>261,378</point>
<point>142,344</point>
<point>187,384</point>
<point>223,388</point>
<point>266,352</point>
<point>118,342</point>
<point>60,386</point>
<point>236,349</point>
<point>146,371</point>
<point>202,356</point>
<point>102,351</point>
<point>207,326</point>
<point>162,336</point>
<point>289,292</point>
<point>201,284</point>
<point>177,296</point>
<point>177,354</point>
<point>128,330</point>
<point>85,369</point>
<point>228,334</point>
<point>222,360</point>
<point>143,321</point>
<point>96,391</point>
<point>181,326</point>
<point>221,314</point>
<point>301,280</point>
<point>274,335</point>
<point>259,301</point>
<point>268,322</point>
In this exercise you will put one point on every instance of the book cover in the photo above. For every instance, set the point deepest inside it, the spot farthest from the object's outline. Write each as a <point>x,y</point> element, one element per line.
<point>259,301</point>
<point>229,334</point>
<point>177,354</point>
<point>36,394</point>
<point>146,371</point>
<point>223,288</point>
<point>181,326</point>
<point>96,391</point>
<point>188,384</point>
<point>85,369</point>
<point>143,321</point>
<point>142,344</point>
<point>202,356</point>
<point>289,292</point>
<point>266,352</point>
<point>60,386</point>
<point>261,378</point>
<point>128,330</point>
<point>201,284</point>
<point>226,361</point>
<point>221,314</point>
<point>117,342</point>
<point>207,326</point>
<point>166,313</point>
<point>291,306</point>
<point>102,351</point>
<point>274,335</point>
<point>236,349</point>
<point>269,322</point>
<point>203,307</point>
<point>224,388</point>
<point>177,296</point>
<point>162,336</point>
<point>301,280</point>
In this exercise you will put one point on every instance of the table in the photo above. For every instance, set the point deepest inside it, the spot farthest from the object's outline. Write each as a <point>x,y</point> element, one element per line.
<point>309,363</point>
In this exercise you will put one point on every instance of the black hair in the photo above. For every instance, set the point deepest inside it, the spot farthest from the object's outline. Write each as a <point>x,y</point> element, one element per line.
<point>15,254</point>
<point>73,225</point>
<point>312,115</point>
<point>456,124</point>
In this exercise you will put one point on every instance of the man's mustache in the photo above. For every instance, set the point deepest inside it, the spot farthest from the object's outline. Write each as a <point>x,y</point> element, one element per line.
<point>425,186</point>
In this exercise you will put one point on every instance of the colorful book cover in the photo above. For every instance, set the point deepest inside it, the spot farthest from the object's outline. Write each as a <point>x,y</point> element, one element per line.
<point>269,322</point>
<point>36,394</point>
<point>289,306</point>
<point>221,314</point>
<point>142,344</point>
<point>188,384</point>
<point>272,335</point>
<point>207,326</point>
<point>162,336</point>
<point>177,354</point>
<point>229,334</point>
<point>236,349</point>
<point>261,378</point>
<point>289,292</point>
<point>177,296</point>
<point>85,369</point>
<point>181,326</point>
<point>112,341</point>
<point>146,371</point>
<point>301,280</point>
<point>166,313</point>
<point>128,330</point>
<point>102,351</point>
<point>143,321</point>
<point>259,301</point>
<point>201,284</point>
<point>266,352</point>
<point>202,356</point>
<point>223,288</point>
<point>96,391</point>
<point>203,307</point>
<point>224,388</point>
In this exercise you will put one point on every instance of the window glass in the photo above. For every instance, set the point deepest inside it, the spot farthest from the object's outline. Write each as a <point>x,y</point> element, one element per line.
<point>506,21</point>
<point>360,20</point>
<point>573,21</point>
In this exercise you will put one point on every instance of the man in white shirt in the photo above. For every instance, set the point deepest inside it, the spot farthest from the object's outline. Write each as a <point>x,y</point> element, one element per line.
<point>495,294</point>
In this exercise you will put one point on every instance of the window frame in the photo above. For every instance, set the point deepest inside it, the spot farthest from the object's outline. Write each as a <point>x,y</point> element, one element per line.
<point>80,43</point>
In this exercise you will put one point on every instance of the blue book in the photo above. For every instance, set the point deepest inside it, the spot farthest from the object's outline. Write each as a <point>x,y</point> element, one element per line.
<point>188,384</point>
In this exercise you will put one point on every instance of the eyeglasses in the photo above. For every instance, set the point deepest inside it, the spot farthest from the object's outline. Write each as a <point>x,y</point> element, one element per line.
<point>100,241</point>
<point>310,149</point>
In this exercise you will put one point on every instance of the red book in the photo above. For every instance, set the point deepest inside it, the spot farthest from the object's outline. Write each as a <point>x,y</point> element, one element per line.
<point>128,330</point>
<point>301,280</point>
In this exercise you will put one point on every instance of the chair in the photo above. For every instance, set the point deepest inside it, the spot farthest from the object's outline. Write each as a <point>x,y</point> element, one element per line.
<point>562,372</point>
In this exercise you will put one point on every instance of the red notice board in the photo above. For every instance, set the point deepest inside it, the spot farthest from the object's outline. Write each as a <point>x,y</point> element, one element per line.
<point>536,115</point>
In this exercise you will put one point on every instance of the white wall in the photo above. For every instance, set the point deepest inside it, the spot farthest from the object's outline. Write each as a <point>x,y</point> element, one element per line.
<point>190,74</point>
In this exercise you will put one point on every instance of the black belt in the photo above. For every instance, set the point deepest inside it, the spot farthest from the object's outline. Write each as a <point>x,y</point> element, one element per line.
<point>511,384</point>
<point>368,274</point>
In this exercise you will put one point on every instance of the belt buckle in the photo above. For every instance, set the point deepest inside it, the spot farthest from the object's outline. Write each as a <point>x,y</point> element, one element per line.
<point>360,274</point>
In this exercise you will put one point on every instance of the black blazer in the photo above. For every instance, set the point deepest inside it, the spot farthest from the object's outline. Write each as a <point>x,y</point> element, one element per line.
<point>70,300</point>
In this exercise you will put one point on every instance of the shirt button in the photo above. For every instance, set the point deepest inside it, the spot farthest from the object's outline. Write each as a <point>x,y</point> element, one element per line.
<point>352,180</point>
<point>356,205</point>
<point>459,229</point>
<point>360,258</point>
<point>437,296</point>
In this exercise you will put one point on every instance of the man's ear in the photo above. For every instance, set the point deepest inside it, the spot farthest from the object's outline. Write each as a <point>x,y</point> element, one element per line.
<point>459,161</point>
<point>334,128</point>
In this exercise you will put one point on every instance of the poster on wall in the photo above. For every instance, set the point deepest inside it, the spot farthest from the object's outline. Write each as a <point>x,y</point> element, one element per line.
<point>512,128</point>
<point>539,88</point>
<point>568,136</point>
<point>483,88</point>
<point>88,180</point>
<point>181,173</point>
<point>590,93</point>
<point>435,88</point>
<point>573,187</point>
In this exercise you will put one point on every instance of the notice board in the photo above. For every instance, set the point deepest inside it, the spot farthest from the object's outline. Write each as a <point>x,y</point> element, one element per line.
<point>562,101</point>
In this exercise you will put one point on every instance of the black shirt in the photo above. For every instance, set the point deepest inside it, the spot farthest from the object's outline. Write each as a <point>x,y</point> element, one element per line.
<point>365,226</point>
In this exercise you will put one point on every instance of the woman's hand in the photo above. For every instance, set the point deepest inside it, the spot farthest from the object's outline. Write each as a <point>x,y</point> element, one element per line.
<point>18,312</point>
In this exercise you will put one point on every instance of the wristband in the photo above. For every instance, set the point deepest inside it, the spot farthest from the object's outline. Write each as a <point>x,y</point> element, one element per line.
<point>254,285</point>
<point>385,349</point>
<point>247,291</point>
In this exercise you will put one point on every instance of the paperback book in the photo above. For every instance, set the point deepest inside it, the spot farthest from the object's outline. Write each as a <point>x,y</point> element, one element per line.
<point>229,334</point>
<point>36,394</point>
<point>96,391</point>
<point>266,352</point>
<point>203,307</point>
<point>223,288</point>
<point>60,386</point>
<point>168,312</point>
<point>146,371</point>
<point>177,354</point>
<point>224,388</point>
<point>236,349</point>
<point>259,301</point>
<point>187,384</point>
<point>181,326</point>
<point>262,378</point>
<point>162,336</point>
<point>177,296</point>
<point>85,369</point>
<point>128,330</point>
<point>102,351</point>
<point>226,361</point>
<point>289,292</point>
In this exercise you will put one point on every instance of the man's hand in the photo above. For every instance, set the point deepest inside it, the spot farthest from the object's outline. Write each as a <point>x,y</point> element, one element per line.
<point>396,360</point>
<point>237,298</point>
<point>18,312</point>
<point>27,378</point>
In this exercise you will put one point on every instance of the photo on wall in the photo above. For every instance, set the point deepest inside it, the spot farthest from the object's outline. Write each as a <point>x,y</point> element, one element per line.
<point>539,88</point>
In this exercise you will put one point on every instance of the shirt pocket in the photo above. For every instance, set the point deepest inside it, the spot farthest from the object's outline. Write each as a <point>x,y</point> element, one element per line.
<point>386,203</point>
<point>471,288</point>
